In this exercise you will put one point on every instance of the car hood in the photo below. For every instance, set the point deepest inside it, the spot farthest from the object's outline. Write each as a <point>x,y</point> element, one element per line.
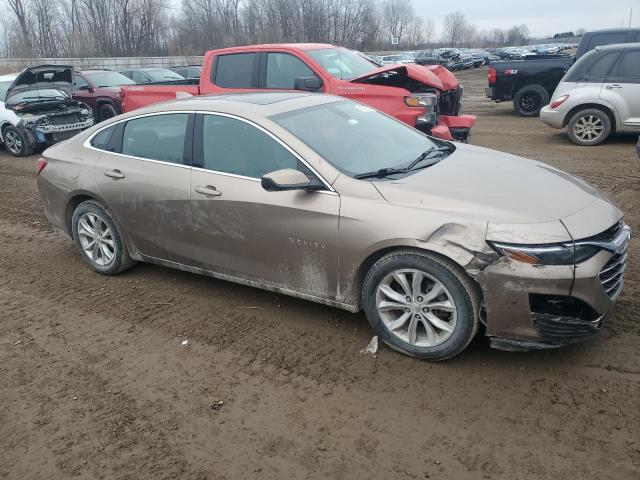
<point>59,77</point>
<point>432,75</point>
<point>521,200</point>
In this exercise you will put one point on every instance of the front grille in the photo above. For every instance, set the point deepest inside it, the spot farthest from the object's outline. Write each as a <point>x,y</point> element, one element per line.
<point>563,330</point>
<point>449,102</point>
<point>64,119</point>
<point>612,274</point>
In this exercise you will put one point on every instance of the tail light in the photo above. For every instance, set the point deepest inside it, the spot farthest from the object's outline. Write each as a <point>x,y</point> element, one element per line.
<point>492,75</point>
<point>42,162</point>
<point>559,101</point>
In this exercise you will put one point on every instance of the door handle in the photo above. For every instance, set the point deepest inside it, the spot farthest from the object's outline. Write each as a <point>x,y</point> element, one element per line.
<point>114,173</point>
<point>611,87</point>
<point>208,191</point>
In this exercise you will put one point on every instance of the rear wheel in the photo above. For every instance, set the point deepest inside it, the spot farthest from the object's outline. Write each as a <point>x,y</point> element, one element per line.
<point>98,239</point>
<point>106,111</point>
<point>421,304</point>
<point>529,100</point>
<point>16,142</point>
<point>589,127</point>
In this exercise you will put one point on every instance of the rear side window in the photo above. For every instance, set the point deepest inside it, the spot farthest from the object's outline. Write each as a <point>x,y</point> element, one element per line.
<point>159,137</point>
<point>629,66</point>
<point>236,70</point>
<point>602,66</point>
<point>234,146</point>
<point>592,67</point>
<point>102,139</point>
<point>283,69</point>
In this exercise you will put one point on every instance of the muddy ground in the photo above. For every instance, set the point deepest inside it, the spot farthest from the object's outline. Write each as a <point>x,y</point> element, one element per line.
<point>95,382</point>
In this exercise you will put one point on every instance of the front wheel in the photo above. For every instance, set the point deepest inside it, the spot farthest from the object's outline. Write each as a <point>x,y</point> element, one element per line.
<point>106,111</point>
<point>16,142</point>
<point>421,304</point>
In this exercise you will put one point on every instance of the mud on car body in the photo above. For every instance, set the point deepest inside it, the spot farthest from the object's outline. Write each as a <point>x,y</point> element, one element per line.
<point>37,109</point>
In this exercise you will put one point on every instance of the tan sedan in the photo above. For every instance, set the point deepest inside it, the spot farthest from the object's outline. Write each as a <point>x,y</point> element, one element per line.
<point>330,200</point>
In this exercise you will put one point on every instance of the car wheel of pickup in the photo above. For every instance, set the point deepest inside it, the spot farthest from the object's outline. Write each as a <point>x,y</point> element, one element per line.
<point>529,100</point>
<point>106,111</point>
<point>98,239</point>
<point>421,304</point>
<point>589,127</point>
<point>16,142</point>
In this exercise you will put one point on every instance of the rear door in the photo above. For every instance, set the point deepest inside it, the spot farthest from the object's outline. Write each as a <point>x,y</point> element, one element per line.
<point>622,89</point>
<point>284,239</point>
<point>235,72</point>
<point>143,174</point>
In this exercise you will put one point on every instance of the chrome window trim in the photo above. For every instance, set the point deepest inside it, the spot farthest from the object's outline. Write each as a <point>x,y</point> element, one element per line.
<point>87,144</point>
<point>278,140</point>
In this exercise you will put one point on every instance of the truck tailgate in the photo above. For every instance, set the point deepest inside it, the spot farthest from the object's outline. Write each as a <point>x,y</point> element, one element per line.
<point>136,96</point>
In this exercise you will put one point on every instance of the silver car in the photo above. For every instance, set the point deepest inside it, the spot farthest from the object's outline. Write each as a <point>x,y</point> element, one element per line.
<point>598,96</point>
<point>330,200</point>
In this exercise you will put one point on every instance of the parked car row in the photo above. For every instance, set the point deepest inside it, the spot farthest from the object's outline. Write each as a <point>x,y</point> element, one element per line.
<point>593,94</point>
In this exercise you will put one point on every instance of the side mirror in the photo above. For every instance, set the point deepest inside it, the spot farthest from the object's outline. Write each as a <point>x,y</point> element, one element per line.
<point>287,179</point>
<point>307,84</point>
<point>85,88</point>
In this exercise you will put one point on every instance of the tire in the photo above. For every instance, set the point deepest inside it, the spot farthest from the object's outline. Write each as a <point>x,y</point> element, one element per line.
<point>106,111</point>
<point>88,214</point>
<point>529,100</point>
<point>589,127</point>
<point>16,142</point>
<point>457,291</point>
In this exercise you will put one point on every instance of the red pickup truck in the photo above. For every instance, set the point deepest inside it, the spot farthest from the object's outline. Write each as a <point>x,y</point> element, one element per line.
<point>427,97</point>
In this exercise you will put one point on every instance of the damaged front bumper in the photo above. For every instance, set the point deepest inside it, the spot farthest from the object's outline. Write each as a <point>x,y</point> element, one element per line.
<point>50,133</point>
<point>542,306</point>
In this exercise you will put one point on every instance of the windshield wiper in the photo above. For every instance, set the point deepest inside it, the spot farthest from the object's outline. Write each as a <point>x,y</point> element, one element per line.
<point>383,172</point>
<point>427,154</point>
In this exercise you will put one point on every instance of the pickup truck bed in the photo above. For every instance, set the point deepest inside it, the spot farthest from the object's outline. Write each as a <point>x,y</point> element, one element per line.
<point>529,83</point>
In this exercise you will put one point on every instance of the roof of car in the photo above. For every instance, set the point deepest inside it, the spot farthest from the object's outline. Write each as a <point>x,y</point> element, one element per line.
<point>618,46</point>
<point>244,104</point>
<point>291,46</point>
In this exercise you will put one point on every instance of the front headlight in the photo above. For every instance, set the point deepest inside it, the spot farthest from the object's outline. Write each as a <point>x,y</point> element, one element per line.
<point>421,100</point>
<point>554,254</point>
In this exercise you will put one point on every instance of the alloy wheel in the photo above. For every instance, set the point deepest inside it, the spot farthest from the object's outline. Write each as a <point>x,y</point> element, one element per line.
<point>12,141</point>
<point>96,239</point>
<point>416,308</point>
<point>588,128</point>
<point>530,102</point>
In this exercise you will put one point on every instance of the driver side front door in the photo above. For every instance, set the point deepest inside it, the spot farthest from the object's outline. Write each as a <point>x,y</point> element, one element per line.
<point>285,239</point>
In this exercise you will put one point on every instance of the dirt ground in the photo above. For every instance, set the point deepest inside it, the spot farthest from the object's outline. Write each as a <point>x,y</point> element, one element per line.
<point>95,381</point>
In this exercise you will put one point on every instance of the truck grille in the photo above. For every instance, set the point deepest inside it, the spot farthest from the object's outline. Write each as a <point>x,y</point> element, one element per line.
<point>449,102</point>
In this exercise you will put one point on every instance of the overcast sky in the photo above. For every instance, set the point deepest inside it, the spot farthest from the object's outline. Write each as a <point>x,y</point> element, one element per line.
<point>543,17</point>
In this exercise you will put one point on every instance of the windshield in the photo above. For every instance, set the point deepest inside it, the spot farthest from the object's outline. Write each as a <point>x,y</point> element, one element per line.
<point>342,63</point>
<point>4,86</point>
<point>38,95</point>
<point>161,74</point>
<point>354,138</point>
<point>109,79</point>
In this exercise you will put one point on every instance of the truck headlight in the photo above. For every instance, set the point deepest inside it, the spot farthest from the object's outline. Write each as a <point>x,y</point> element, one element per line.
<point>421,100</point>
<point>553,254</point>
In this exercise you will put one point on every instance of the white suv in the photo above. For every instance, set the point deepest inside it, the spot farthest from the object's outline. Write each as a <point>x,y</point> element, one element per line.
<point>599,95</point>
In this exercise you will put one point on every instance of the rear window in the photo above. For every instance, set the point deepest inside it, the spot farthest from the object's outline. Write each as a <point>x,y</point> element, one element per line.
<point>236,70</point>
<point>629,66</point>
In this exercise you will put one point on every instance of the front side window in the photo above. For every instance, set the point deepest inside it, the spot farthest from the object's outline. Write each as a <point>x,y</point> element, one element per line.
<point>79,82</point>
<point>342,63</point>
<point>158,137</point>
<point>355,138</point>
<point>140,77</point>
<point>601,39</point>
<point>236,70</point>
<point>283,69</point>
<point>236,147</point>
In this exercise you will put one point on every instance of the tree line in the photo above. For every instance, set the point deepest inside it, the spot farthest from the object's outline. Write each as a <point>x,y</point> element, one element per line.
<point>88,28</point>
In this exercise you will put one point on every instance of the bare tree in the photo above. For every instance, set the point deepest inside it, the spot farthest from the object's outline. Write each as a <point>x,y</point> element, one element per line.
<point>454,28</point>
<point>429,31</point>
<point>20,11</point>
<point>397,16</point>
